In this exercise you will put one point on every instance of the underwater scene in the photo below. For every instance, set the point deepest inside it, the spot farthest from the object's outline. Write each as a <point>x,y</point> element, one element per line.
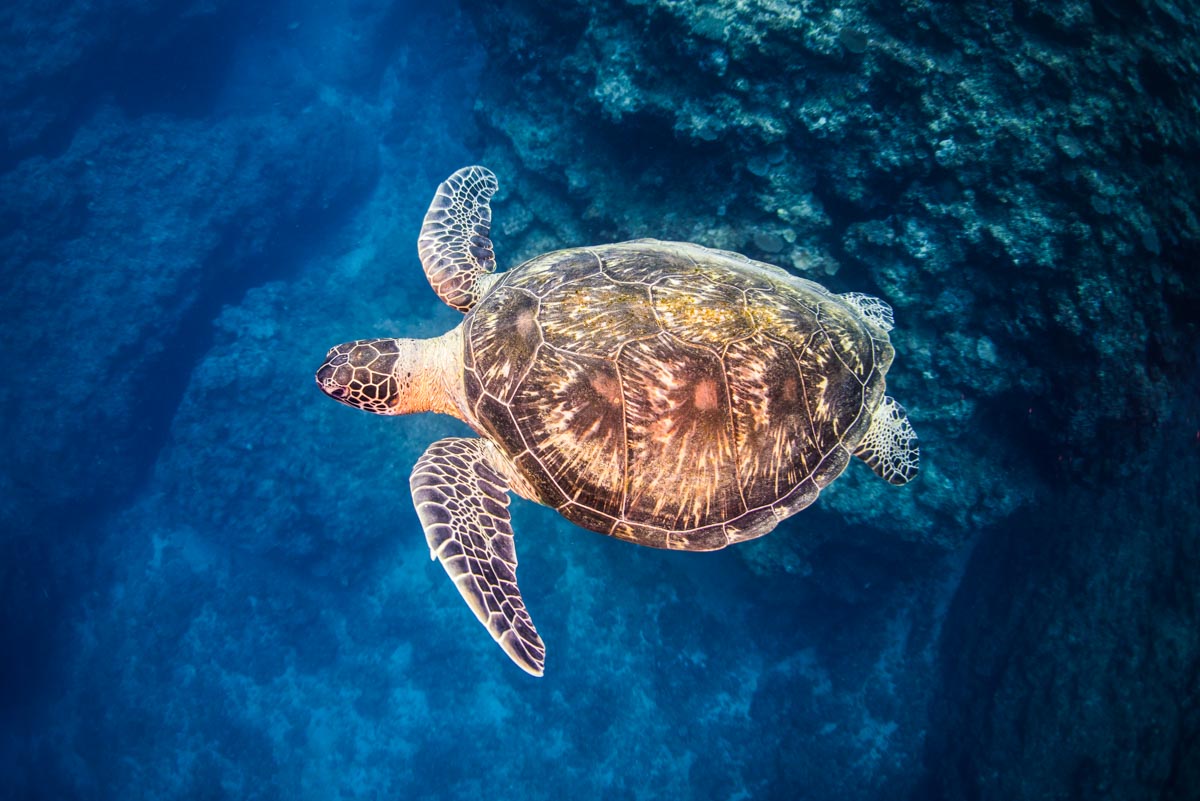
<point>215,582</point>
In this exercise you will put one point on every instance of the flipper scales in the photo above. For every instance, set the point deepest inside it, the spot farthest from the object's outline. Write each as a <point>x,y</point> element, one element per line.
<point>890,446</point>
<point>454,244</point>
<point>462,502</point>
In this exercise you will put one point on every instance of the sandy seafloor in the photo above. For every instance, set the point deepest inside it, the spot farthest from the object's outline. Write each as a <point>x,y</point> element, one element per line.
<point>212,580</point>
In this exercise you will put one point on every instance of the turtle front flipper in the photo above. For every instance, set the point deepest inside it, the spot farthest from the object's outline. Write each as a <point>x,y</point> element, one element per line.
<point>462,501</point>
<point>454,245</point>
<point>890,446</point>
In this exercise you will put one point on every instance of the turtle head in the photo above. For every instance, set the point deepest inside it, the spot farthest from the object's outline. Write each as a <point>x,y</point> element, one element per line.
<point>362,374</point>
<point>396,376</point>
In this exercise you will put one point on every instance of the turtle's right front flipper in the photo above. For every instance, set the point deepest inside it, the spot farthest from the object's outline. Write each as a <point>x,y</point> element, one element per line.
<point>454,245</point>
<point>462,501</point>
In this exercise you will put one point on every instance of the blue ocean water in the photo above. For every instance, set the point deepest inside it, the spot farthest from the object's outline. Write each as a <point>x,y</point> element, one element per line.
<point>212,580</point>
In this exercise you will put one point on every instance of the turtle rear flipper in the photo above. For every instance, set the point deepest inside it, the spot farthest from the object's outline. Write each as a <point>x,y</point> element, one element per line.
<point>462,501</point>
<point>454,245</point>
<point>890,446</point>
<point>872,308</point>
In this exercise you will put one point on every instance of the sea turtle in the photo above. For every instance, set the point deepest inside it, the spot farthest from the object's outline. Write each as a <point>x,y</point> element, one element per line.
<point>660,392</point>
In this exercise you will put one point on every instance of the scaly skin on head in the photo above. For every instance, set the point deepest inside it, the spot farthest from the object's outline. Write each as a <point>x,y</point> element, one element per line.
<point>397,376</point>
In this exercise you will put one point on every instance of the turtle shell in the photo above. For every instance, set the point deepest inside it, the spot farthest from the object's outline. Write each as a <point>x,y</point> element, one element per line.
<point>669,394</point>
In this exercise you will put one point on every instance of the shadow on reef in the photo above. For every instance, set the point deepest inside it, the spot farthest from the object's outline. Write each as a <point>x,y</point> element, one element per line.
<point>146,58</point>
<point>50,557</point>
<point>1069,663</point>
<point>130,218</point>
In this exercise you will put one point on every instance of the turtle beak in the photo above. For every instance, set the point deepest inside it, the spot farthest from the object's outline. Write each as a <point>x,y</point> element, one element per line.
<point>325,375</point>
<point>330,387</point>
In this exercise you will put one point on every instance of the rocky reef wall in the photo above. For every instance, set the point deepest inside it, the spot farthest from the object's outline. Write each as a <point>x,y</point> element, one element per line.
<point>1010,177</point>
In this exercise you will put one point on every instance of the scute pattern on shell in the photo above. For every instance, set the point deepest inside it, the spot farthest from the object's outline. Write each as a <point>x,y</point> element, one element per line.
<point>669,394</point>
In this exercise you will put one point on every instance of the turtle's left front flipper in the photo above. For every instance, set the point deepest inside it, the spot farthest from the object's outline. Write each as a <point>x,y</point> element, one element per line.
<point>462,501</point>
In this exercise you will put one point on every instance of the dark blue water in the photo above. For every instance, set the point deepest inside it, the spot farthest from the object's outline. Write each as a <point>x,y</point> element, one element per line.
<point>212,580</point>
